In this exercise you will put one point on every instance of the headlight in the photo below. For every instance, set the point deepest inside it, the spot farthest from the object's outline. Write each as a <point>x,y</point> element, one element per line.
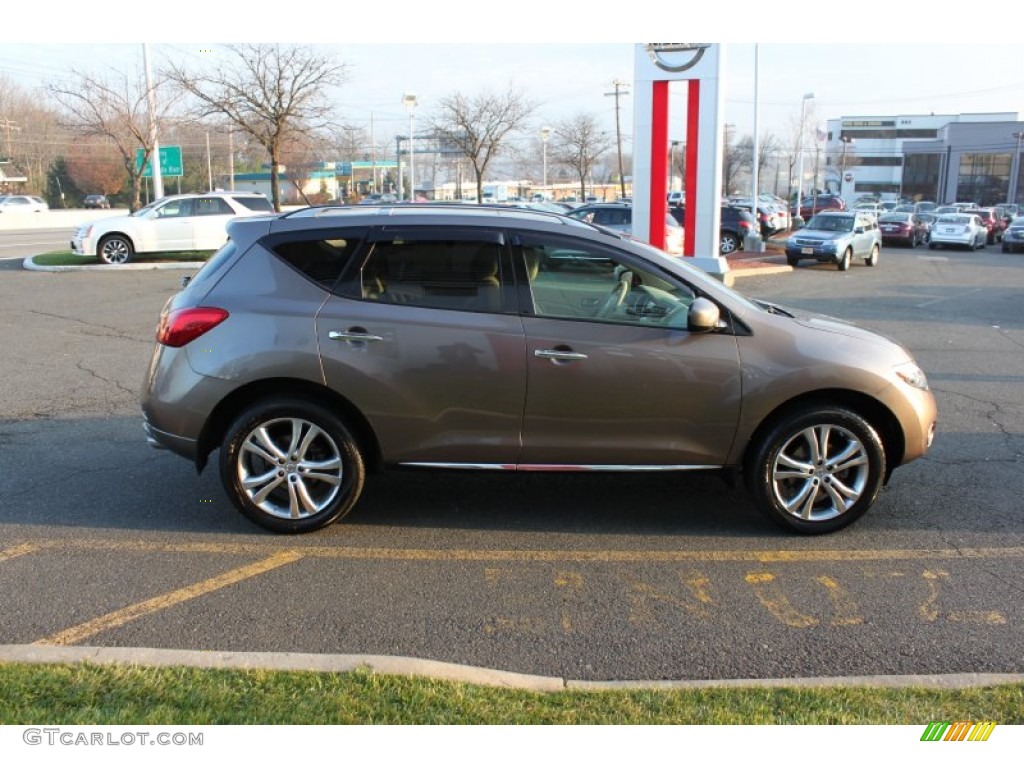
<point>912,375</point>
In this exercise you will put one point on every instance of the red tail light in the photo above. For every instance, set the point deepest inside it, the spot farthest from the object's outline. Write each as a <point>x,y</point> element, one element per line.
<point>181,326</point>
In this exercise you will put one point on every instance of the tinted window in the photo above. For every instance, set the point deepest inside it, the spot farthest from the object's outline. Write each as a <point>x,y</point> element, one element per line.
<point>614,217</point>
<point>580,281</point>
<point>255,203</point>
<point>460,275</point>
<point>322,260</point>
<point>212,206</point>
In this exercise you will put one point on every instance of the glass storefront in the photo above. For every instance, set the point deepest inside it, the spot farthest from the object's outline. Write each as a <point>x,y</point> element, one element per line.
<point>921,176</point>
<point>984,178</point>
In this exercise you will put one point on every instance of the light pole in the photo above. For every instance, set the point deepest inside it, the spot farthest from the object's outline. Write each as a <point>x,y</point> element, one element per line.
<point>619,91</point>
<point>847,141</point>
<point>409,99</point>
<point>800,154</point>
<point>545,134</point>
<point>1014,191</point>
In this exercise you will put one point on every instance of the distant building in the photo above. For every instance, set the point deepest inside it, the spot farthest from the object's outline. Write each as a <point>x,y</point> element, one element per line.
<point>926,157</point>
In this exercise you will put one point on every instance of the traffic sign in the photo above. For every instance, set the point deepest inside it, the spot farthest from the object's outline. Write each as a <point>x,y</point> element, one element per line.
<point>170,162</point>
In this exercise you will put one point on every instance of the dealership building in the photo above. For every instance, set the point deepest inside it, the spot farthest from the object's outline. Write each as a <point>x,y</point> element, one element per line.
<point>945,158</point>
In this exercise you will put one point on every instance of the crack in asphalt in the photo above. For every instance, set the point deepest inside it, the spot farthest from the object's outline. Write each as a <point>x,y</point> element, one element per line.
<point>81,366</point>
<point>116,332</point>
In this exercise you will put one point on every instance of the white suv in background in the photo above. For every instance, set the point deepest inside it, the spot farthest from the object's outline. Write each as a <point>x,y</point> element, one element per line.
<point>175,223</point>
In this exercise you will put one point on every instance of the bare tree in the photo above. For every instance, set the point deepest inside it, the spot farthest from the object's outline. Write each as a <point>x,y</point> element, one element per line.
<point>96,167</point>
<point>274,93</point>
<point>478,126</point>
<point>579,144</point>
<point>31,138</point>
<point>114,109</point>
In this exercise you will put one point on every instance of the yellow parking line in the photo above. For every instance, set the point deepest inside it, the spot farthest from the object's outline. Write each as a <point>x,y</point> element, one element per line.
<point>547,555</point>
<point>78,633</point>
<point>18,551</point>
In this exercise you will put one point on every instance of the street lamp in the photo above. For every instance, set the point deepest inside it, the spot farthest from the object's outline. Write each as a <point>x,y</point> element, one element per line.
<point>1012,191</point>
<point>847,141</point>
<point>545,134</point>
<point>800,154</point>
<point>409,99</point>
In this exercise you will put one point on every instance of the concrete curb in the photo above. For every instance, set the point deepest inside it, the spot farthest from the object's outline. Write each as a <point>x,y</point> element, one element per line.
<point>438,670</point>
<point>30,264</point>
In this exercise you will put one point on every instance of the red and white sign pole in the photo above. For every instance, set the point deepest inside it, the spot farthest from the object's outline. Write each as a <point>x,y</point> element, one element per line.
<point>656,65</point>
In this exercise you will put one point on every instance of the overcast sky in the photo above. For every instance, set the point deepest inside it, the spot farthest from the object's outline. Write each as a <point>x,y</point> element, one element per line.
<point>427,48</point>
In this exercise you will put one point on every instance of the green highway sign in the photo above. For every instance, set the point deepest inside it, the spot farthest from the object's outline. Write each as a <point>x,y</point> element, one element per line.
<point>170,162</point>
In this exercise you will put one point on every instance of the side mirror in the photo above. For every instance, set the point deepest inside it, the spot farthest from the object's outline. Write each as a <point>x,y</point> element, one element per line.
<point>703,316</point>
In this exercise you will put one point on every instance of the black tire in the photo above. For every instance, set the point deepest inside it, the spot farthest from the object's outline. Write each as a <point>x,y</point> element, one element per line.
<point>1005,248</point>
<point>295,497</point>
<point>932,246</point>
<point>812,496</point>
<point>792,260</point>
<point>844,260</point>
<point>115,249</point>
<point>729,243</point>
<point>872,259</point>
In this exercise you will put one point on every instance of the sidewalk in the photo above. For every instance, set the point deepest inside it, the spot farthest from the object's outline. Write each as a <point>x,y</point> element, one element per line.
<point>768,262</point>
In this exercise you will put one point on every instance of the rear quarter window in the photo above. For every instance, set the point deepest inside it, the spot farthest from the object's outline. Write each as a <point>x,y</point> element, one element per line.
<point>255,203</point>
<point>322,259</point>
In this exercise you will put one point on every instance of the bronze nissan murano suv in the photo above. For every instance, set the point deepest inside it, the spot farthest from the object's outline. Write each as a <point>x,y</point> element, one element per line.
<point>319,345</point>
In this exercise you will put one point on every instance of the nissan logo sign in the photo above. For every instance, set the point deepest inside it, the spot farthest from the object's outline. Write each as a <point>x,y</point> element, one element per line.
<point>676,57</point>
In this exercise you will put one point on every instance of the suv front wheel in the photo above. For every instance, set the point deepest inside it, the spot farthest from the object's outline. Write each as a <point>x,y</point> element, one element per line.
<point>291,466</point>
<point>116,249</point>
<point>817,471</point>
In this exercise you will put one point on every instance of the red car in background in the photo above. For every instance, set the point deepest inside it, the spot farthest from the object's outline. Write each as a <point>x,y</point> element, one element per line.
<point>812,205</point>
<point>995,223</point>
<point>904,228</point>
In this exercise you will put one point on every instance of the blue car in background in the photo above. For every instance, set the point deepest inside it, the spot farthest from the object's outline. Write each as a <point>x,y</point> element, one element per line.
<point>838,238</point>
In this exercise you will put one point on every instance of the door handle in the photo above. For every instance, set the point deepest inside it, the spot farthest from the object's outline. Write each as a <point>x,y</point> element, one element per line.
<point>354,335</point>
<point>559,355</point>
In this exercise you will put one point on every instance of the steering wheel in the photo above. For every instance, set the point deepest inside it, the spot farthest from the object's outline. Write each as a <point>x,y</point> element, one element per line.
<point>616,296</point>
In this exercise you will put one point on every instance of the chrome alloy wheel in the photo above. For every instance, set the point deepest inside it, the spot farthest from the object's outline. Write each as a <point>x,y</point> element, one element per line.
<point>820,472</point>
<point>289,468</point>
<point>115,251</point>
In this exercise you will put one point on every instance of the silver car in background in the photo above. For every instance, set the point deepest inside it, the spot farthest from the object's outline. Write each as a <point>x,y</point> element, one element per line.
<point>327,343</point>
<point>963,230</point>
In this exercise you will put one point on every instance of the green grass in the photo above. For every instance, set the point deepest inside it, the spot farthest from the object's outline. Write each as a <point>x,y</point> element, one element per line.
<point>68,259</point>
<point>86,694</point>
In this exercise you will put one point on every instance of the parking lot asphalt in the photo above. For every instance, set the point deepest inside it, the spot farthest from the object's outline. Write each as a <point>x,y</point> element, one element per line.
<point>915,507</point>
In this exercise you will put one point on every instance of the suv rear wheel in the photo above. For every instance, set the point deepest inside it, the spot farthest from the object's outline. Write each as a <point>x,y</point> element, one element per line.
<point>291,466</point>
<point>818,470</point>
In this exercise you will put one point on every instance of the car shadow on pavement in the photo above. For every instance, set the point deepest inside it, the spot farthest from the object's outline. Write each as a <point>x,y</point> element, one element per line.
<point>100,474</point>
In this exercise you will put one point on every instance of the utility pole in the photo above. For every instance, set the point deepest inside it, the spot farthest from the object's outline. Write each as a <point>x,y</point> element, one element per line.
<point>158,181</point>
<point>9,125</point>
<point>619,86</point>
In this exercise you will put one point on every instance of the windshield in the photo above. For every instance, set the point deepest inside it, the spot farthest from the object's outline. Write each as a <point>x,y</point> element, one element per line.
<point>147,208</point>
<point>832,223</point>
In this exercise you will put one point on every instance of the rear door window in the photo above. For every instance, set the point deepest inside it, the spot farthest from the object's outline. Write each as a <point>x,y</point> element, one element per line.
<point>462,272</point>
